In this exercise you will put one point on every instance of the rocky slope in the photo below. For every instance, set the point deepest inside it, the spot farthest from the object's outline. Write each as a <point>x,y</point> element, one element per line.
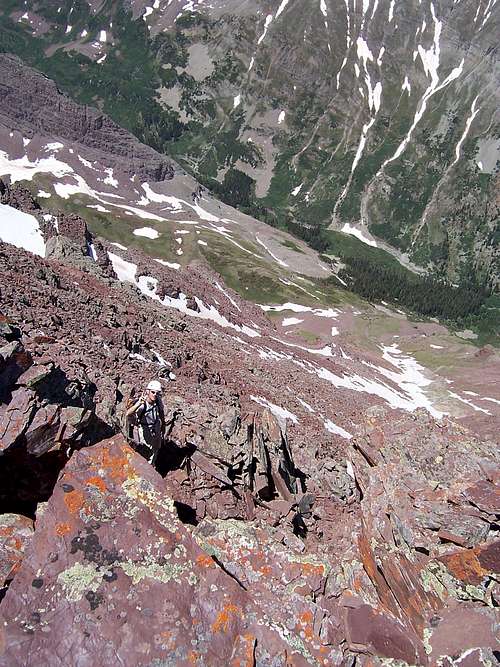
<point>303,512</point>
<point>379,118</point>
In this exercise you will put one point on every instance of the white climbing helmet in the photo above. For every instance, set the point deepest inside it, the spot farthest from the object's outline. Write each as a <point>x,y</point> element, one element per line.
<point>154,385</point>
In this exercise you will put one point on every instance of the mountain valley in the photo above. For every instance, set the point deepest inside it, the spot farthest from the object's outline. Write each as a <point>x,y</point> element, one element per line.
<point>287,214</point>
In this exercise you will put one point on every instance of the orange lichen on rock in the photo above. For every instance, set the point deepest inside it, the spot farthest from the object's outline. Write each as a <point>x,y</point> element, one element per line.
<point>115,459</point>
<point>63,528</point>
<point>193,657</point>
<point>221,623</point>
<point>306,620</point>
<point>74,501</point>
<point>465,566</point>
<point>97,482</point>
<point>311,569</point>
<point>204,560</point>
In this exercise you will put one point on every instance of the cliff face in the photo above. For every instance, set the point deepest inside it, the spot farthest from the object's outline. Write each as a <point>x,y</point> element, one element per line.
<point>270,533</point>
<point>38,107</point>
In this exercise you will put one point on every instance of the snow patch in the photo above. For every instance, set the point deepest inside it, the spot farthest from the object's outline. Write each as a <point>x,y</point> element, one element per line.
<point>338,430</point>
<point>281,8</point>
<point>269,18</point>
<point>306,405</point>
<point>348,229</point>
<point>21,230</point>
<point>277,259</point>
<point>288,321</point>
<point>147,232</point>
<point>170,265</point>
<point>279,412</point>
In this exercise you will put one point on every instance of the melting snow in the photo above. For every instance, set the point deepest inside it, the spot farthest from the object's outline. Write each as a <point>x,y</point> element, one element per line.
<point>236,101</point>
<point>277,259</point>
<point>43,194</point>
<point>200,242</point>
<point>99,208</point>
<point>391,10</point>
<point>21,230</point>
<point>348,229</point>
<point>406,85</point>
<point>430,61</point>
<point>280,413</point>
<point>119,245</point>
<point>338,430</point>
<point>281,8</point>
<point>296,190</point>
<point>288,321</point>
<point>55,147</point>
<point>269,18</point>
<point>299,308</point>
<point>323,352</point>
<point>147,232</point>
<point>126,271</point>
<point>281,117</point>
<point>102,36</point>
<point>171,265</point>
<point>322,6</point>
<point>487,398</point>
<point>306,405</point>
<point>469,403</point>
<point>468,123</point>
<point>228,296</point>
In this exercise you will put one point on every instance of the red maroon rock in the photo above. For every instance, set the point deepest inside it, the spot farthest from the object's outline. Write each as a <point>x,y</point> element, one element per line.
<point>375,632</point>
<point>110,557</point>
<point>15,417</point>
<point>16,532</point>
<point>484,495</point>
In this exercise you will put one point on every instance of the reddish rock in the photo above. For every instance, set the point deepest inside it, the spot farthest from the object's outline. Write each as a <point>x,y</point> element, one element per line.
<point>16,532</point>
<point>111,558</point>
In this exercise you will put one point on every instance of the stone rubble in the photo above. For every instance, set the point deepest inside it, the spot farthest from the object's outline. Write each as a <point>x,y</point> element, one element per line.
<point>258,541</point>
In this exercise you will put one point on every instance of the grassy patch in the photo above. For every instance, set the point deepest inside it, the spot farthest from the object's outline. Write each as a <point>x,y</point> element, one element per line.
<point>293,246</point>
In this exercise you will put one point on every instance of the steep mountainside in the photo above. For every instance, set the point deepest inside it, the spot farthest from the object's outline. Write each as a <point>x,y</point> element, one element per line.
<point>304,511</point>
<point>376,117</point>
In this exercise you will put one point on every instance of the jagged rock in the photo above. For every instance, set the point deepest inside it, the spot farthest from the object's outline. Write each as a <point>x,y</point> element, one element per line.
<point>111,557</point>
<point>286,585</point>
<point>16,532</point>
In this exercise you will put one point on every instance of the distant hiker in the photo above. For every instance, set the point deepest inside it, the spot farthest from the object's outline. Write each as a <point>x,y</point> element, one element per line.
<point>149,415</point>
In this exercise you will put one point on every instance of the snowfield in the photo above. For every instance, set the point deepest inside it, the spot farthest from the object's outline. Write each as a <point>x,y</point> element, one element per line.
<point>21,230</point>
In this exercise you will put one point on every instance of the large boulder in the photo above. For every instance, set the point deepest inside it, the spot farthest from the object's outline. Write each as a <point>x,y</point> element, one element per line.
<point>113,577</point>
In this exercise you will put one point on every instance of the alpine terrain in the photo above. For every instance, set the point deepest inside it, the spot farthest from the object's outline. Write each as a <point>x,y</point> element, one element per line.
<point>267,234</point>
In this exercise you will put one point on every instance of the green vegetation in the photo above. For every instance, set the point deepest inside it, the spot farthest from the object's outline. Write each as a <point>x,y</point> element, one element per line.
<point>293,246</point>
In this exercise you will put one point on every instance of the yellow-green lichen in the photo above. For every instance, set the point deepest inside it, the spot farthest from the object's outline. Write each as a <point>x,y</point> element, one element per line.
<point>153,570</point>
<point>427,634</point>
<point>79,579</point>
<point>161,507</point>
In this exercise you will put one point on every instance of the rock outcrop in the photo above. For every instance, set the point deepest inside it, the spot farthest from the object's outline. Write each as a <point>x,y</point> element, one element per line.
<point>43,109</point>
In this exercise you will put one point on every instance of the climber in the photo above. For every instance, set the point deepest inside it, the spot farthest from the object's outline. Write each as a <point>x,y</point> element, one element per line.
<point>149,414</point>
